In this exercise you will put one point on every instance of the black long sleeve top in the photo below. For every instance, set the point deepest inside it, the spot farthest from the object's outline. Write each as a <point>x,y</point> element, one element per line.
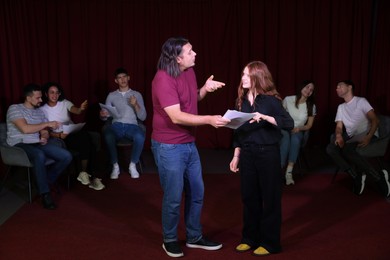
<point>263,133</point>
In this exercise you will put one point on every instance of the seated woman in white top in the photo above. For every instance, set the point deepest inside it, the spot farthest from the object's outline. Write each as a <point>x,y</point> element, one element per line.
<point>58,108</point>
<point>302,109</point>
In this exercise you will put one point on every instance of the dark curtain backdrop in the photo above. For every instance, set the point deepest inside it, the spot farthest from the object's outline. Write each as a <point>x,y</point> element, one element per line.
<point>79,43</point>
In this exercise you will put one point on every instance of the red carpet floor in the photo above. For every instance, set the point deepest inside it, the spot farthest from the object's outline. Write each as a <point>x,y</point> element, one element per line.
<point>320,221</point>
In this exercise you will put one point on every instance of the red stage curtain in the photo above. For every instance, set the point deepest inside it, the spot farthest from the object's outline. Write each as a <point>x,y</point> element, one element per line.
<point>79,43</point>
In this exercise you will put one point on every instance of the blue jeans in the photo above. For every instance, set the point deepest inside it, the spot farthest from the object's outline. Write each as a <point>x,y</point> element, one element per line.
<point>290,144</point>
<point>180,170</point>
<point>38,154</point>
<point>113,133</point>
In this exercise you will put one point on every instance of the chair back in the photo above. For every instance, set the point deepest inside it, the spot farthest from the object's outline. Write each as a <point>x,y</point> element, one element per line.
<point>11,155</point>
<point>378,147</point>
<point>3,134</point>
<point>384,126</point>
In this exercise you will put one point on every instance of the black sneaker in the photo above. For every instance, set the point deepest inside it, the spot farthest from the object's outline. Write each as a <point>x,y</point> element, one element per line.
<point>173,249</point>
<point>47,201</point>
<point>383,183</point>
<point>204,243</point>
<point>358,184</point>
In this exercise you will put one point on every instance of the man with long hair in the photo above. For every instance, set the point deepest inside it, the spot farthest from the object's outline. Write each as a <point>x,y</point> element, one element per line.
<point>175,94</point>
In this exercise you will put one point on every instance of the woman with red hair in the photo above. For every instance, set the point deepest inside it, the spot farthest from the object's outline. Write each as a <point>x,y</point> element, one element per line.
<point>257,158</point>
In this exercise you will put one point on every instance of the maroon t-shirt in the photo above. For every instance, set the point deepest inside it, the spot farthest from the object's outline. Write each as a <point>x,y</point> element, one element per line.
<point>168,91</point>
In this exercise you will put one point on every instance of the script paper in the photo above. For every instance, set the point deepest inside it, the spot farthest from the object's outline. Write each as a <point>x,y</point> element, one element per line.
<point>237,118</point>
<point>71,128</point>
<point>112,110</point>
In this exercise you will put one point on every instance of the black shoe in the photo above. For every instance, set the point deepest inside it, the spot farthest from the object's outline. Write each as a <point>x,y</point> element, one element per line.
<point>358,184</point>
<point>173,249</point>
<point>204,243</point>
<point>47,201</point>
<point>383,183</point>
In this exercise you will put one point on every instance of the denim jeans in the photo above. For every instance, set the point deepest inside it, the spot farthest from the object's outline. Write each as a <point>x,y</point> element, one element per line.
<point>290,145</point>
<point>46,175</point>
<point>113,133</point>
<point>180,169</point>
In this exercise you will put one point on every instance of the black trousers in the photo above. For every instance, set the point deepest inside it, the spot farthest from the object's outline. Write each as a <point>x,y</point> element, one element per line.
<point>261,190</point>
<point>81,142</point>
<point>348,158</point>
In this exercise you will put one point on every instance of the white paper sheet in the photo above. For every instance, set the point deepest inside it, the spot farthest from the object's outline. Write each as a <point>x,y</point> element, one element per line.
<point>112,110</point>
<point>71,128</point>
<point>237,118</point>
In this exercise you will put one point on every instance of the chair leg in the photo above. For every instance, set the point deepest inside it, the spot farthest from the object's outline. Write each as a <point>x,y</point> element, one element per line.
<point>306,161</point>
<point>299,162</point>
<point>140,164</point>
<point>76,161</point>
<point>5,178</point>
<point>381,163</point>
<point>29,182</point>
<point>68,181</point>
<point>68,172</point>
<point>335,174</point>
<point>302,160</point>
<point>29,186</point>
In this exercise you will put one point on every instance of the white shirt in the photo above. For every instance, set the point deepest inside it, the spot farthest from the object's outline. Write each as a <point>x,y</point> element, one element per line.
<point>354,116</point>
<point>60,112</point>
<point>299,115</point>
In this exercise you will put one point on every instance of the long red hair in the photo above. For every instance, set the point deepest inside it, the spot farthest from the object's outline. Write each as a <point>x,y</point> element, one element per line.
<point>261,82</point>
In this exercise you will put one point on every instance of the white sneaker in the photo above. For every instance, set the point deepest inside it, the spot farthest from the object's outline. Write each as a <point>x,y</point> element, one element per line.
<point>289,179</point>
<point>84,178</point>
<point>133,171</point>
<point>115,172</point>
<point>387,186</point>
<point>96,184</point>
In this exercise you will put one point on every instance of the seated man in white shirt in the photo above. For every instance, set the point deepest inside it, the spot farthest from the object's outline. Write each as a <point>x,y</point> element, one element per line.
<point>360,122</point>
